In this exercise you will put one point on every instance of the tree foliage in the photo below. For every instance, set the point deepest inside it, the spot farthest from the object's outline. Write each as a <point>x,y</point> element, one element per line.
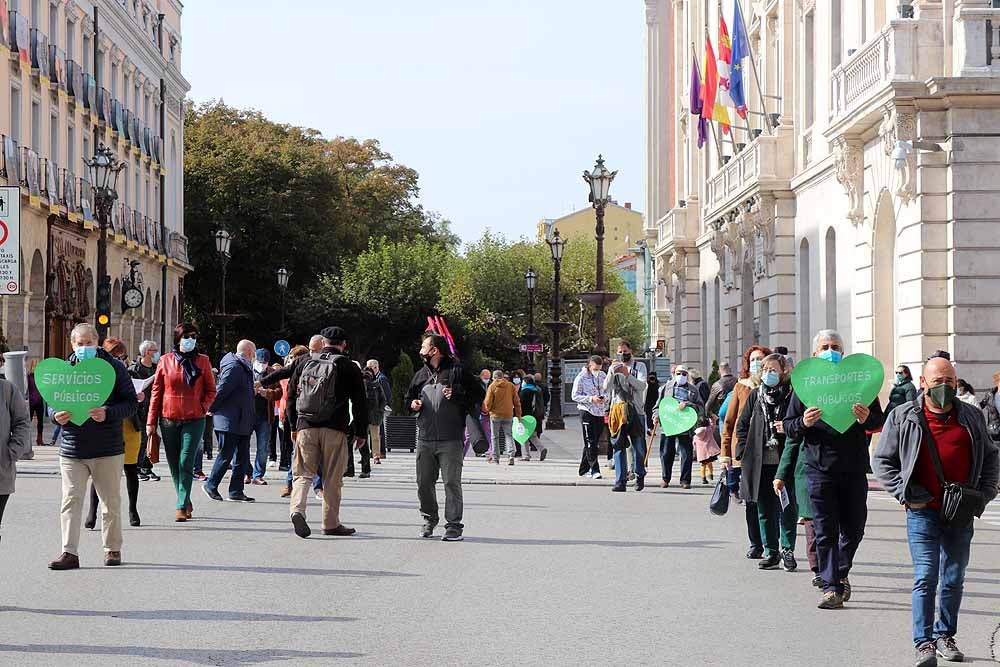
<point>290,197</point>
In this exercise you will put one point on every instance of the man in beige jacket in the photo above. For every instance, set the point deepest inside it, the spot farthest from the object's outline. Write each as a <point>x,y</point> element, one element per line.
<point>503,405</point>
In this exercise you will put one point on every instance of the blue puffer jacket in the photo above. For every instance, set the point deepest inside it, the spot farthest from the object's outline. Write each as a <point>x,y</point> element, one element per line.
<point>93,440</point>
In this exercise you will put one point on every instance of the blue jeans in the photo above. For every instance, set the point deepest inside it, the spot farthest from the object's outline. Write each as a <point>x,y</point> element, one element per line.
<point>262,427</point>
<point>940,553</point>
<point>637,442</point>
<point>231,447</point>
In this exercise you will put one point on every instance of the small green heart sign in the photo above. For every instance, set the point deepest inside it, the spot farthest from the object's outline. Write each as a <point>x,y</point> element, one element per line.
<point>75,389</point>
<point>524,428</point>
<point>835,388</point>
<point>673,420</point>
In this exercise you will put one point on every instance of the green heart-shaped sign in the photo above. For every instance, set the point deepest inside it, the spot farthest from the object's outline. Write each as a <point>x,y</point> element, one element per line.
<point>835,388</point>
<point>75,389</point>
<point>673,420</point>
<point>524,428</point>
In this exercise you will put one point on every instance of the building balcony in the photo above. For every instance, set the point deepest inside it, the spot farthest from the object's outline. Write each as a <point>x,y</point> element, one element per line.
<point>179,248</point>
<point>764,165</point>
<point>679,227</point>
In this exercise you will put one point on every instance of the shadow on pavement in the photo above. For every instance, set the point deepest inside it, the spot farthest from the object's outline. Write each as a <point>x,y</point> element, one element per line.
<point>181,655</point>
<point>179,615</point>
<point>696,544</point>
<point>249,569</point>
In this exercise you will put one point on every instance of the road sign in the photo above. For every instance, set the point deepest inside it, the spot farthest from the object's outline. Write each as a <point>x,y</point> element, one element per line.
<point>532,347</point>
<point>282,348</point>
<point>10,240</point>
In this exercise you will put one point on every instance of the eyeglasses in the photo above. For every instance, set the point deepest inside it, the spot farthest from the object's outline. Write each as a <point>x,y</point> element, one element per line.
<point>684,373</point>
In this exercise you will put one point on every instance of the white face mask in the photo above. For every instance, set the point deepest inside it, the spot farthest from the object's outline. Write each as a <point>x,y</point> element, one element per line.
<point>681,379</point>
<point>259,366</point>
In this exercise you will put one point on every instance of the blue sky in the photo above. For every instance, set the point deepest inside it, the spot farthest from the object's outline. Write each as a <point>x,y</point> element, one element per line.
<point>498,104</point>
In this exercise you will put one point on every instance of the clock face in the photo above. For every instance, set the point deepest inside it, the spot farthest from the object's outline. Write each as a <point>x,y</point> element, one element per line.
<point>133,297</point>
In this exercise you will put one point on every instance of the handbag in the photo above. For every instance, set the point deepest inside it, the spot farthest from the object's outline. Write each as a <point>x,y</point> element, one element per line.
<point>153,447</point>
<point>960,503</point>
<point>719,504</point>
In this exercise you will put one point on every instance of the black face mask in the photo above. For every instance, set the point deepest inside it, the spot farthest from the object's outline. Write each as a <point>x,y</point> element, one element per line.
<point>625,356</point>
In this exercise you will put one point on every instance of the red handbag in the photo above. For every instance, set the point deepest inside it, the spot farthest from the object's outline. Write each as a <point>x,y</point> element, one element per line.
<point>153,448</point>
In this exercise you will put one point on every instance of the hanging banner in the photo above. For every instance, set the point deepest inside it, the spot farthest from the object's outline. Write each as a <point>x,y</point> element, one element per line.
<point>10,240</point>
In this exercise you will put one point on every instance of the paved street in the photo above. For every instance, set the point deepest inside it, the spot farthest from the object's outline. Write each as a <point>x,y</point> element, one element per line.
<point>547,575</point>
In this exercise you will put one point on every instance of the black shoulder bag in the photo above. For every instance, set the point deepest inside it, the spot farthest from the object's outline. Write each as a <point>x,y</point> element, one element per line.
<point>959,502</point>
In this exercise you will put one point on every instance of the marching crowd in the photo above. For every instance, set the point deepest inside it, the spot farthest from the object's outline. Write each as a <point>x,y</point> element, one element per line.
<point>935,446</point>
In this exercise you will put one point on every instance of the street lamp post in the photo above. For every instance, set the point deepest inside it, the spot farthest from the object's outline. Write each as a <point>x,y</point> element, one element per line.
<point>283,275</point>
<point>555,422</point>
<point>531,281</point>
<point>599,181</point>
<point>223,241</point>
<point>101,169</point>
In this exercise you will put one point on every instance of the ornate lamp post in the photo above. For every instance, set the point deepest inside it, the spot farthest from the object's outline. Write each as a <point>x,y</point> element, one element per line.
<point>531,281</point>
<point>283,275</point>
<point>223,241</point>
<point>103,170</point>
<point>599,181</point>
<point>555,422</point>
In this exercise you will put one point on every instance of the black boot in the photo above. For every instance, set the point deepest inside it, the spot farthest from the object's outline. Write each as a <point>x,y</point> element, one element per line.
<point>91,519</point>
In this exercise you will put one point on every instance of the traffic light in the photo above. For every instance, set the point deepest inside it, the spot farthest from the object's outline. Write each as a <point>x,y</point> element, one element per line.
<point>104,305</point>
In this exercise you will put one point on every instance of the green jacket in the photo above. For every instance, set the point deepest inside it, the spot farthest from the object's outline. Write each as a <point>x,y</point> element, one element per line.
<point>792,471</point>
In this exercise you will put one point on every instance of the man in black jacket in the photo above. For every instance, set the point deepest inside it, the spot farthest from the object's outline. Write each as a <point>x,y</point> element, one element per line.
<point>836,465</point>
<point>93,450</point>
<point>442,393</point>
<point>325,441</point>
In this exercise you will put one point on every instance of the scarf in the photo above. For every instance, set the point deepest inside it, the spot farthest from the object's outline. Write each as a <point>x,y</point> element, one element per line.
<point>774,402</point>
<point>188,364</point>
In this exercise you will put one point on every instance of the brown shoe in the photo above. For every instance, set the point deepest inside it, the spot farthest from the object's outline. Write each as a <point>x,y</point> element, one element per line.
<point>66,561</point>
<point>113,558</point>
<point>664,484</point>
<point>340,531</point>
<point>189,510</point>
<point>181,515</point>
<point>287,491</point>
<point>259,482</point>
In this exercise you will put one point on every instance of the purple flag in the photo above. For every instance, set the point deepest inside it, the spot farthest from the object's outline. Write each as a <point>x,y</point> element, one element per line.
<point>696,102</point>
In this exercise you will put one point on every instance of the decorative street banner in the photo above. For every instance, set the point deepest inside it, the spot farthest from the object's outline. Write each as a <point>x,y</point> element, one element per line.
<point>524,428</point>
<point>835,388</point>
<point>10,240</point>
<point>76,389</point>
<point>673,420</point>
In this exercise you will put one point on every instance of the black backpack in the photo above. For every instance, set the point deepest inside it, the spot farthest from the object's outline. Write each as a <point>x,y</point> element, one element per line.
<point>315,396</point>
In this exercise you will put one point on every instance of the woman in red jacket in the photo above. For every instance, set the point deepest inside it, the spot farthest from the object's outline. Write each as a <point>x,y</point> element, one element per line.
<point>183,391</point>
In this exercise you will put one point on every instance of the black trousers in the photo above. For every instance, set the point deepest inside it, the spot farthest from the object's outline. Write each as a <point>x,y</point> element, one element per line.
<point>273,453</point>
<point>669,446</point>
<point>285,457</point>
<point>593,427</point>
<point>3,504</point>
<point>366,458</point>
<point>41,412</point>
<point>840,512</point>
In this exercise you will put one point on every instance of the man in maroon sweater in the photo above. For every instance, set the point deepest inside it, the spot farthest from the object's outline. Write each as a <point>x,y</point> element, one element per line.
<point>904,465</point>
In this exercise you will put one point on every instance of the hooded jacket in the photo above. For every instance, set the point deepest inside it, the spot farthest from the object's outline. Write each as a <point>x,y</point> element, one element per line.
<point>91,439</point>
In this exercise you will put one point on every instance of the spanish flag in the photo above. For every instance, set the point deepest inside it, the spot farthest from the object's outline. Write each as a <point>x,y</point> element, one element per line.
<point>711,109</point>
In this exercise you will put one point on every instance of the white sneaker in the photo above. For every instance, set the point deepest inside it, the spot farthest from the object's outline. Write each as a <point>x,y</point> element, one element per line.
<point>596,475</point>
<point>587,474</point>
<point>611,463</point>
<point>272,464</point>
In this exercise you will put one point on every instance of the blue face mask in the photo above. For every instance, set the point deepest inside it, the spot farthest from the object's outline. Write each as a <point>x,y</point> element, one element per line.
<point>831,355</point>
<point>85,352</point>
<point>156,357</point>
<point>770,378</point>
<point>187,344</point>
<point>755,366</point>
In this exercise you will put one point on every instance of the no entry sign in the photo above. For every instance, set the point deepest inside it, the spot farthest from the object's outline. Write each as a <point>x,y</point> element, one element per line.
<point>10,240</point>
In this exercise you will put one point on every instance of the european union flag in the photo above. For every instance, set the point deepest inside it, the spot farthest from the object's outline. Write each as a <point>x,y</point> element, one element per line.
<point>741,50</point>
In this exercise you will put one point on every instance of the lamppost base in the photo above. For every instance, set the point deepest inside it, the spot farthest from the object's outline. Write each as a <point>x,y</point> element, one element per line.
<point>555,424</point>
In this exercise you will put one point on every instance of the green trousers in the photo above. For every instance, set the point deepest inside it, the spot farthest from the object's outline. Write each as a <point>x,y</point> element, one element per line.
<point>180,444</point>
<point>776,525</point>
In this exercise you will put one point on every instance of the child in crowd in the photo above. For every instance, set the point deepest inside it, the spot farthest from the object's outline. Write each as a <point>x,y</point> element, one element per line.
<point>707,450</point>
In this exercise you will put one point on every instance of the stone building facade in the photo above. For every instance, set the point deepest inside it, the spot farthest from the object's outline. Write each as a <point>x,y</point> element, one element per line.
<point>861,194</point>
<point>59,102</point>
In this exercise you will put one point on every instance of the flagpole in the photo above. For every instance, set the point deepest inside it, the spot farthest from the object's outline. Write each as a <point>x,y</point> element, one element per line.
<point>715,136</point>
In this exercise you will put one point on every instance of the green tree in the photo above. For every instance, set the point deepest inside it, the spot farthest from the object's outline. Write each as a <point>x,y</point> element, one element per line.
<point>401,376</point>
<point>290,197</point>
<point>714,376</point>
<point>382,296</point>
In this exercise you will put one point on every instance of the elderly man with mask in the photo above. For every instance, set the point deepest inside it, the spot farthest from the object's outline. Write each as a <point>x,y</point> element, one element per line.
<point>927,444</point>
<point>233,419</point>
<point>836,469</point>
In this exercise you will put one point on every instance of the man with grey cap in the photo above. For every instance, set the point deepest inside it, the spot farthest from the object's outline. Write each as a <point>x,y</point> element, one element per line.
<point>325,426</point>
